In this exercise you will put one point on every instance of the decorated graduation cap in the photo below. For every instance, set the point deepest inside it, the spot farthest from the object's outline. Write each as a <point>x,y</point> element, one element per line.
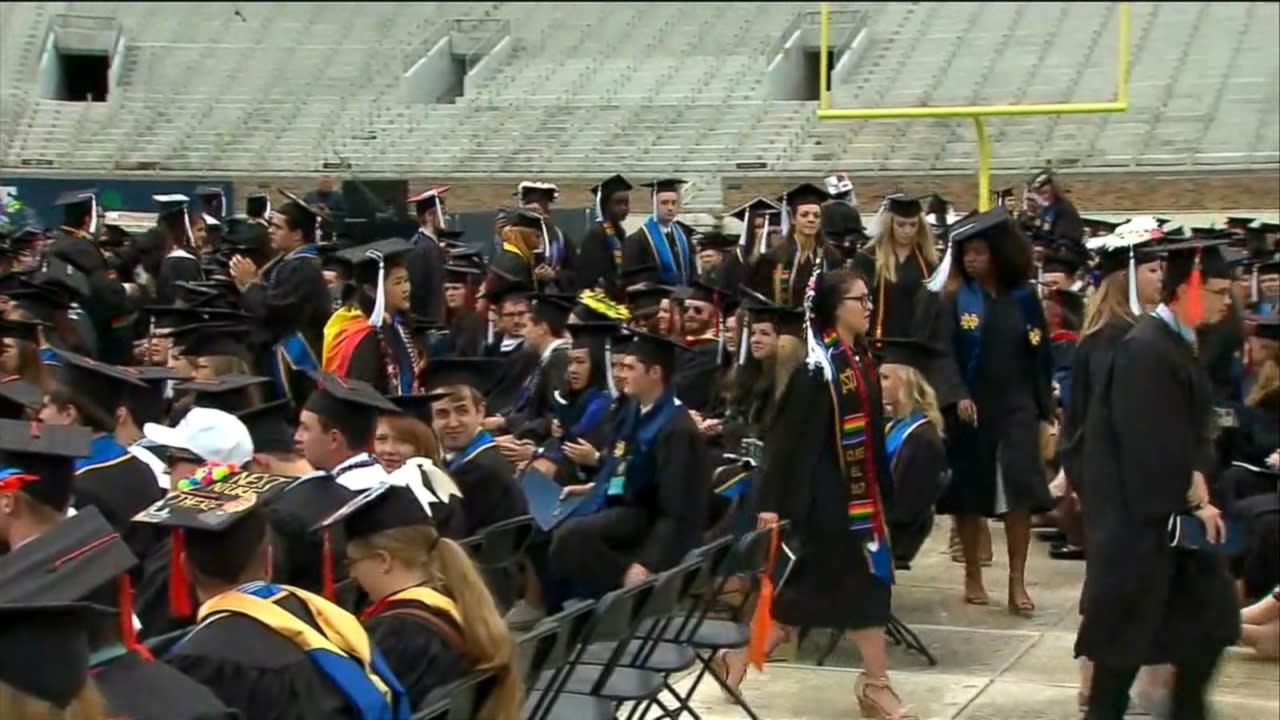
<point>19,398</point>
<point>270,426</point>
<point>101,385</point>
<point>215,520</point>
<point>1192,262</point>
<point>594,305</point>
<point>39,459</point>
<point>994,225</point>
<point>369,264</point>
<point>838,184</point>
<point>229,393</point>
<point>77,205</point>
<point>172,213</point>
<point>44,648</point>
<point>541,193</point>
<point>911,352</point>
<point>428,200</point>
<point>1131,244</point>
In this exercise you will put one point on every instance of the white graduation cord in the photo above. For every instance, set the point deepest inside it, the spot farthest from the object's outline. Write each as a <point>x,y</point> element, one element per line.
<point>608,367</point>
<point>762,242</point>
<point>1254,290</point>
<point>379,302</point>
<point>93,214</point>
<point>743,332</point>
<point>1134,306</point>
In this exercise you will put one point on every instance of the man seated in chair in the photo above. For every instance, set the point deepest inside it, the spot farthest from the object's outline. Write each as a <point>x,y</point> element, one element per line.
<point>648,505</point>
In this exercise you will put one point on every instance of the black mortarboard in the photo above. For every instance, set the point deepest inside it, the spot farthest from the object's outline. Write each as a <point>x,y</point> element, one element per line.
<point>756,207</point>
<point>463,255</point>
<point>639,274</point>
<point>1238,223</point>
<point>1097,226</point>
<point>1060,260</point>
<point>609,186</point>
<point>805,194</point>
<point>171,203</point>
<point>592,335</point>
<point>1269,267</point>
<point>18,398</point>
<point>715,240</point>
<point>1265,326</point>
<point>646,297</point>
<point>101,384</point>
<point>651,349</point>
<point>995,222</point>
<point>416,406</point>
<point>149,405</point>
<point>257,204</point>
<point>475,372</point>
<point>384,507</point>
<point>39,459</point>
<point>904,205</point>
<point>702,292</point>
<point>229,393</point>
<point>524,218</point>
<point>209,338</point>
<point>171,318</point>
<point>44,648</point>
<point>664,185</point>
<point>785,320</point>
<point>460,273</point>
<point>904,351</point>
<point>76,205</point>
<point>336,397</point>
<point>429,199</point>
<point>66,563</point>
<point>552,308</point>
<point>216,506</point>
<point>1001,197</point>
<point>270,426</point>
<point>306,207</point>
<point>40,300</point>
<point>1040,179</point>
<point>1182,258</point>
<point>537,192</point>
<point>25,330</point>
<point>213,200</point>
<point>367,260</point>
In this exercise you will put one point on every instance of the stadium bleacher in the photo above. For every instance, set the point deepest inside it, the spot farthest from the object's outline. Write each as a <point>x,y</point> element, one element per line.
<point>645,88</point>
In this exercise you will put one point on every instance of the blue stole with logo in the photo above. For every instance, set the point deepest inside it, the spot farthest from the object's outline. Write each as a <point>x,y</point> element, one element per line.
<point>630,461</point>
<point>102,451</point>
<point>971,307</point>
<point>671,269</point>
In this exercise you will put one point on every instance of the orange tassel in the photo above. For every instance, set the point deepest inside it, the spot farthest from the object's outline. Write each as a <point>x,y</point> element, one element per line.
<point>762,621</point>
<point>179,587</point>
<point>1195,291</point>
<point>327,571</point>
<point>124,603</point>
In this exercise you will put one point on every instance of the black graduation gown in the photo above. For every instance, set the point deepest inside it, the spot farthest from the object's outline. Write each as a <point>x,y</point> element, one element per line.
<point>696,376</point>
<point>299,561</point>
<point>120,490</point>
<point>1220,348</point>
<point>467,333</point>
<point>258,672</point>
<point>894,313</point>
<point>517,366</point>
<point>107,302</point>
<point>1147,431</point>
<point>533,421</point>
<point>996,466</point>
<point>597,267</point>
<point>566,279</point>
<point>1090,367</point>
<point>654,524</point>
<point>919,468</point>
<point>178,266</point>
<point>731,273</point>
<point>636,253</point>
<point>290,297</point>
<point>490,493</point>
<point>508,267</point>
<point>369,359</point>
<point>423,653</point>
<point>425,264</point>
<point>144,690</point>
<point>802,482</point>
<point>761,280</point>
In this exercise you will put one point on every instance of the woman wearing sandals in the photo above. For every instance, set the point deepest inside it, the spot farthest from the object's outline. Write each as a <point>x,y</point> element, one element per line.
<point>1000,345</point>
<point>830,484</point>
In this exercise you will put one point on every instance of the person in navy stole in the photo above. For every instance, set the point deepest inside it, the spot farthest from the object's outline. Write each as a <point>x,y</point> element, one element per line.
<point>88,393</point>
<point>648,504</point>
<point>661,242</point>
<point>289,298</point>
<point>1001,349</point>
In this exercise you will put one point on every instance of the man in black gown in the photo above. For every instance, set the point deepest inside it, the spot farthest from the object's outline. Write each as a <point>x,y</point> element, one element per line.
<point>426,262</point>
<point>545,335</point>
<point>600,256</point>
<point>1147,464</point>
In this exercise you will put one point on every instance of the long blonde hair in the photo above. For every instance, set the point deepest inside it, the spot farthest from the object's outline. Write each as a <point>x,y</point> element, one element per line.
<point>1110,300</point>
<point>1267,379</point>
<point>887,261</point>
<point>486,640</point>
<point>18,705</point>
<point>527,240</point>
<point>790,354</point>
<point>916,394</point>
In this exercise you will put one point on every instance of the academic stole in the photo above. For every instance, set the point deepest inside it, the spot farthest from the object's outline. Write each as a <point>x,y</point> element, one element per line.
<point>783,274</point>
<point>615,245</point>
<point>672,269</point>
<point>881,281</point>
<point>857,456</point>
<point>971,308</point>
<point>403,379</point>
<point>478,443</point>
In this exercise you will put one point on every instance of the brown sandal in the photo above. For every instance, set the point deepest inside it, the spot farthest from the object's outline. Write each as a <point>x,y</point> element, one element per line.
<point>873,709</point>
<point>1024,607</point>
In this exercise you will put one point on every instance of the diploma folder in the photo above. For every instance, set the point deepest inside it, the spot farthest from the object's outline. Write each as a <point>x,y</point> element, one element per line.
<point>542,495</point>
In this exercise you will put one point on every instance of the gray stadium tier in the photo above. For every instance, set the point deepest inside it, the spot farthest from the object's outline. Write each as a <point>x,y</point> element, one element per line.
<point>643,87</point>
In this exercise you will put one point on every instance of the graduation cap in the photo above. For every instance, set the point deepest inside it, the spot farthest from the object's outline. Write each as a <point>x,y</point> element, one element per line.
<point>553,309</point>
<point>1040,179</point>
<point>39,459</point>
<point>650,349</point>
<point>701,291</point>
<point>103,386</point>
<point>757,207</point>
<point>257,205</point>
<point>24,330</point>
<point>1131,244</point>
<point>994,225</point>
<point>417,406</point>
<point>1239,223</point>
<point>229,393</point>
<point>1193,261</point>
<point>594,306</point>
<point>44,648</point>
<point>431,198</point>
<point>1071,301</point>
<point>209,338</point>
<point>638,275</point>
<point>18,398</point>
<point>269,425</point>
<point>40,300</point>
<point>380,508</point>
<point>1062,260</point>
<point>149,406</point>
<point>904,205</point>
<point>475,372</point>
<point>785,320</point>
<point>1097,226</point>
<point>904,351</point>
<point>77,205</point>
<point>804,194</point>
<point>461,273</point>
<point>645,298</point>
<point>172,209</point>
<point>607,188</point>
<point>369,265</point>
<point>310,228</point>
<point>664,185</point>
<point>593,335</point>
<point>1265,326</point>
<point>524,218</point>
<point>336,397</point>
<point>760,207</point>
<point>715,240</point>
<point>541,193</point>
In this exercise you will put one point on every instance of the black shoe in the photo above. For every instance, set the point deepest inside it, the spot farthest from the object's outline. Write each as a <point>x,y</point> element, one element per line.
<point>1057,537</point>
<point>1063,551</point>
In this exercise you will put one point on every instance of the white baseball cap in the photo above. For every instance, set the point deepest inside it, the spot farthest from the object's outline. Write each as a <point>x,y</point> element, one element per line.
<point>213,435</point>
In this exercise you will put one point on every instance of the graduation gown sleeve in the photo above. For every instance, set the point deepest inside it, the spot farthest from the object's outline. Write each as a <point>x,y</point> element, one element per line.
<point>489,490</point>
<point>144,690</point>
<point>678,510</point>
<point>918,470</point>
<point>636,251</point>
<point>419,654</point>
<point>944,373</point>
<point>596,268</point>
<point>295,298</point>
<point>367,362</point>
<point>173,269</point>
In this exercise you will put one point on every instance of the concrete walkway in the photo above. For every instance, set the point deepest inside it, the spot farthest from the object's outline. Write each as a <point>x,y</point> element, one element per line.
<point>991,665</point>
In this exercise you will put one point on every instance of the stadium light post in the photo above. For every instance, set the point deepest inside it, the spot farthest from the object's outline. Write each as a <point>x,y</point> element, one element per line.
<point>977,112</point>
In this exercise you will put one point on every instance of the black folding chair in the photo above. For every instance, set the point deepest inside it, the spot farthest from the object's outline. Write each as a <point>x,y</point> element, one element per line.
<point>616,618</point>
<point>459,700</point>
<point>500,552</point>
<point>548,660</point>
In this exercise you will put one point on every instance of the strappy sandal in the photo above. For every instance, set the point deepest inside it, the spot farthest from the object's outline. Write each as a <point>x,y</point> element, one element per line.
<point>873,709</point>
<point>1022,608</point>
<point>721,668</point>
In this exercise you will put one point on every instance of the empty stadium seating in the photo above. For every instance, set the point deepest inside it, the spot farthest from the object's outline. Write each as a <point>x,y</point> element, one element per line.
<point>645,88</point>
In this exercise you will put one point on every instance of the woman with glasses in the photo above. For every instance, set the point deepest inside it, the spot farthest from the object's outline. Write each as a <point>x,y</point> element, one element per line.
<point>1000,346</point>
<point>832,484</point>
